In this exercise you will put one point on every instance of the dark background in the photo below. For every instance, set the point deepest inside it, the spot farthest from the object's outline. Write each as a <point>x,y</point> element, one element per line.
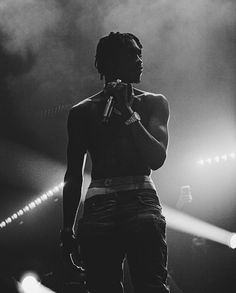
<point>47,53</point>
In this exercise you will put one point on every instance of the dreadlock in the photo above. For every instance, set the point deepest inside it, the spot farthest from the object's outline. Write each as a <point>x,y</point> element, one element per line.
<point>109,49</point>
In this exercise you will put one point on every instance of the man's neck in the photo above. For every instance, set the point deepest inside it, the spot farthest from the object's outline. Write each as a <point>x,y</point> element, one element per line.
<point>129,89</point>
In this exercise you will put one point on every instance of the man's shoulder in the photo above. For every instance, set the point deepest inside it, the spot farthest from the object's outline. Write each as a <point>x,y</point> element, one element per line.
<point>86,103</point>
<point>155,98</point>
<point>156,104</point>
<point>152,99</point>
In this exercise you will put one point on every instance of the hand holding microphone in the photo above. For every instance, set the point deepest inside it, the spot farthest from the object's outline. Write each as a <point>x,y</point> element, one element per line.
<point>110,101</point>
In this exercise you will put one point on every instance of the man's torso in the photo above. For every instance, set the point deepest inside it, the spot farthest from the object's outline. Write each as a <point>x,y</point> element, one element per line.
<point>111,146</point>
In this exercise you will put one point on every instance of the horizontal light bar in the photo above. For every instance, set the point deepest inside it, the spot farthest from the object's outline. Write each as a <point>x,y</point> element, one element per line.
<point>188,224</point>
<point>217,159</point>
<point>32,205</point>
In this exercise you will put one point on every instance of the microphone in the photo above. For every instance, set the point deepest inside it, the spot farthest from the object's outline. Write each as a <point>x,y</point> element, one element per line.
<point>110,102</point>
<point>108,109</point>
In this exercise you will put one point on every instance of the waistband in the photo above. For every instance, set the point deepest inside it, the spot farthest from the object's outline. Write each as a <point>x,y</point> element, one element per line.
<point>118,181</point>
<point>115,184</point>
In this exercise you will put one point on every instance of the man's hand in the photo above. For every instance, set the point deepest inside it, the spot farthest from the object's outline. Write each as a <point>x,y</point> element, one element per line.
<point>68,245</point>
<point>71,253</point>
<point>122,93</point>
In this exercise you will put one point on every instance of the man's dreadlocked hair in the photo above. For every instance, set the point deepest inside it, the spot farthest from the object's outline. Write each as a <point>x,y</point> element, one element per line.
<point>109,49</point>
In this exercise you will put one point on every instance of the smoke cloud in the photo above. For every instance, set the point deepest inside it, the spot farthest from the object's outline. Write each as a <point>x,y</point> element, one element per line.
<point>26,23</point>
<point>178,37</point>
<point>188,50</point>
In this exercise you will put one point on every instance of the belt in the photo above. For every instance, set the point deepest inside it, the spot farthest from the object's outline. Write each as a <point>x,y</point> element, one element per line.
<point>115,184</point>
<point>117,181</point>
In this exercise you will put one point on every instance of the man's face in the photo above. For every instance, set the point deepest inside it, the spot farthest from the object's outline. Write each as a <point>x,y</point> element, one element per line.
<point>131,64</point>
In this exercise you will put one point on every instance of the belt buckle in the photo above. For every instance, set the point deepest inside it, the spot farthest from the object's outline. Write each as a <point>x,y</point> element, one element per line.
<point>107,181</point>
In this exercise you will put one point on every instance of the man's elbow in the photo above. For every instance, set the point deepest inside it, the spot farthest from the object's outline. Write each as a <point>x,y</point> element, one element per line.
<point>157,164</point>
<point>71,182</point>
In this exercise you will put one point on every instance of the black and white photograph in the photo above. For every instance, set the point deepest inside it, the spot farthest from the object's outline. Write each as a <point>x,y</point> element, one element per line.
<point>118,146</point>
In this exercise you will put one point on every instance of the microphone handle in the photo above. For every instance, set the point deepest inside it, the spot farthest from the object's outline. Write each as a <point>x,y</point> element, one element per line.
<point>108,109</point>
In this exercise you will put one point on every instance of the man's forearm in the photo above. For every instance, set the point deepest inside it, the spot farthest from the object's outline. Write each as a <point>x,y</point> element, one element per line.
<point>71,198</point>
<point>152,151</point>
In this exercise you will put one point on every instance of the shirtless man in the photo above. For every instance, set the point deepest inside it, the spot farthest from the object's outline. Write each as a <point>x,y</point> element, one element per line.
<point>122,212</point>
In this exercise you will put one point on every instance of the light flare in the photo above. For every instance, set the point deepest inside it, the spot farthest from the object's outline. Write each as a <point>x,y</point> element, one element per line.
<point>182,222</point>
<point>32,205</point>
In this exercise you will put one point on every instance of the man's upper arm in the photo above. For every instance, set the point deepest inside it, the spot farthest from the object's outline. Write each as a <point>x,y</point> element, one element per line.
<point>76,147</point>
<point>159,117</point>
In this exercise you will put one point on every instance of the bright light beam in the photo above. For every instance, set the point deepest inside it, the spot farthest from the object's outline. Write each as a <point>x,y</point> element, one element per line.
<point>217,159</point>
<point>30,283</point>
<point>188,224</point>
<point>233,241</point>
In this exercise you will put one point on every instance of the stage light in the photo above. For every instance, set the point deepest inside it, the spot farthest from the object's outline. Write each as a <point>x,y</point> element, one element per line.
<point>217,159</point>
<point>208,160</point>
<point>232,241</point>
<point>20,213</point>
<point>61,185</point>
<point>3,224</point>
<point>33,204</point>
<point>188,224</point>
<point>8,220</point>
<point>44,197</point>
<point>224,157</point>
<point>55,189</point>
<point>29,283</point>
<point>14,216</point>
<point>232,155</point>
<point>38,201</point>
<point>26,209</point>
<point>50,193</point>
<point>201,162</point>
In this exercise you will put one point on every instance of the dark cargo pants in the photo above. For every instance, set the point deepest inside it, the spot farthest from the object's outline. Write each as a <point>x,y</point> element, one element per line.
<point>126,223</point>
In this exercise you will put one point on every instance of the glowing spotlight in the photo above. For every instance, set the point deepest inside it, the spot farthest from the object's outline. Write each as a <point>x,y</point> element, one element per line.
<point>29,283</point>
<point>14,217</point>
<point>209,160</point>
<point>217,159</point>
<point>3,224</point>
<point>56,189</point>
<point>50,193</point>
<point>32,205</point>
<point>8,220</point>
<point>232,241</point>
<point>38,201</point>
<point>26,209</point>
<point>201,162</point>
<point>44,197</point>
<point>232,155</point>
<point>185,223</point>
<point>224,157</point>
<point>20,213</point>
